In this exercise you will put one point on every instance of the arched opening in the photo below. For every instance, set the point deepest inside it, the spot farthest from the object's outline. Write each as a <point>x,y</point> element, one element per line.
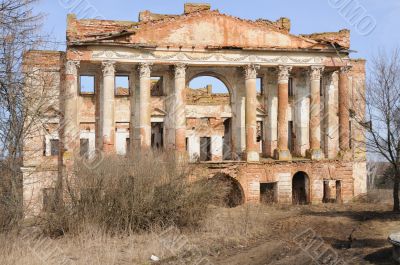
<point>300,188</point>
<point>230,188</point>
<point>211,128</point>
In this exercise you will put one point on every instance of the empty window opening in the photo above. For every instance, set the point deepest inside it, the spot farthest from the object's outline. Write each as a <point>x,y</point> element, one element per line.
<point>227,139</point>
<point>321,87</point>
<point>87,84</point>
<point>84,148</point>
<point>300,188</point>
<point>290,87</point>
<point>157,89</point>
<point>54,147</point>
<point>351,135</point>
<point>339,191</point>
<point>122,85</point>
<point>259,86</point>
<point>157,132</point>
<point>49,200</point>
<point>291,136</point>
<point>260,133</point>
<point>231,188</point>
<point>268,193</point>
<point>205,148</point>
<point>128,145</point>
<point>327,192</point>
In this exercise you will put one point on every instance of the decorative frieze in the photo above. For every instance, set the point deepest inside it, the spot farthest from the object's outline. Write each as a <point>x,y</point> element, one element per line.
<point>213,58</point>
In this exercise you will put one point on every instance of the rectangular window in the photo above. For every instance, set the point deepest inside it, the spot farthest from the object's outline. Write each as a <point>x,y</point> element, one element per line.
<point>157,133</point>
<point>157,89</point>
<point>205,148</point>
<point>84,148</point>
<point>259,86</point>
<point>269,193</point>
<point>290,86</point>
<point>54,147</point>
<point>128,145</point>
<point>122,85</point>
<point>321,87</point>
<point>86,84</point>
<point>290,136</point>
<point>350,135</point>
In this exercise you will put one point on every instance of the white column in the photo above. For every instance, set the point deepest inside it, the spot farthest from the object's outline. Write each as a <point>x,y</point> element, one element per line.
<point>144,117</point>
<point>107,119</point>
<point>271,132</point>
<point>180,104</point>
<point>70,121</point>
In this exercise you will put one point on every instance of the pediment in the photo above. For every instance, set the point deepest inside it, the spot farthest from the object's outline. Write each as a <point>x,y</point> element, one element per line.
<point>214,30</point>
<point>198,30</point>
<point>158,112</point>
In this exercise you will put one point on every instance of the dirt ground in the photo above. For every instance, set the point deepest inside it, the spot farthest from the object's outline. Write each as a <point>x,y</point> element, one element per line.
<point>354,233</point>
<point>350,234</point>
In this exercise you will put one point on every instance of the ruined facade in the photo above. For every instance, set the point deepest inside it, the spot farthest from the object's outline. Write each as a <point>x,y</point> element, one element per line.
<point>283,133</point>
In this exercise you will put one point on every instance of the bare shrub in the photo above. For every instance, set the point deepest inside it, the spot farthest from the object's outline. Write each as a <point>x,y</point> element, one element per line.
<point>134,194</point>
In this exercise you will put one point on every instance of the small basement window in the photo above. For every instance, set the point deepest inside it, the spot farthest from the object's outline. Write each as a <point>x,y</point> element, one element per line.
<point>122,85</point>
<point>86,84</point>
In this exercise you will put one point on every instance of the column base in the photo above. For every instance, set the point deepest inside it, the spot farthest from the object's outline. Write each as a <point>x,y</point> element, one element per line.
<point>315,154</point>
<point>252,156</point>
<point>345,155</point>
<point>282,155</point>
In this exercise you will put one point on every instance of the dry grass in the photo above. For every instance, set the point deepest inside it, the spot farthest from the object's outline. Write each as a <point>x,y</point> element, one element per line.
<point>124,195</point>
<point>224,228</point>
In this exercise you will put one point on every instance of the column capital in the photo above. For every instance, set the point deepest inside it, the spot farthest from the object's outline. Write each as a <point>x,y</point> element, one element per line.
<point>345,69</point>
<point>108,68</point>
<point>316,72</point>
<point>284,73</point>
<point>180,70</point>
<point>144,70</point>
<point>71,67</point>
<point>250,71</point>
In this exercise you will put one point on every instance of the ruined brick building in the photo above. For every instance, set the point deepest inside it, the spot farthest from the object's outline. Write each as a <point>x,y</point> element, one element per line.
<point>285,128</point>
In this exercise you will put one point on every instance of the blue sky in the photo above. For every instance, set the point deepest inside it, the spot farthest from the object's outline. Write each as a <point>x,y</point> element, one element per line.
<point>306,17</point>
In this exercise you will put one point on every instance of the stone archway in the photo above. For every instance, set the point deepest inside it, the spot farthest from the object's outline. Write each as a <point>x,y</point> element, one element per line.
<point>232,189</point>
<point>214,91</point>
<point>301,188</point>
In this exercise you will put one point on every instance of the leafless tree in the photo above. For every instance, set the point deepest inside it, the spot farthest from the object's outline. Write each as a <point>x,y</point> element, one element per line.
<point>382,121</point>
<point>20,31</point>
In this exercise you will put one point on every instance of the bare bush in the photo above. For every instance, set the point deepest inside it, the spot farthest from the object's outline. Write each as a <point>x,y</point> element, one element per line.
<point>131,194</point>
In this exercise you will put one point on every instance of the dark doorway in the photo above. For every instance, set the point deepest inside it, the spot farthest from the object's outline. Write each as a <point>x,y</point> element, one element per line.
<point>231,188</point>
<point>205,148</point>
<point>157,132</point>
<point>327,192</point>
<point>227,149</point>
<point>300,188</point>
<point>268,193</point>
<point>338,191</point>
